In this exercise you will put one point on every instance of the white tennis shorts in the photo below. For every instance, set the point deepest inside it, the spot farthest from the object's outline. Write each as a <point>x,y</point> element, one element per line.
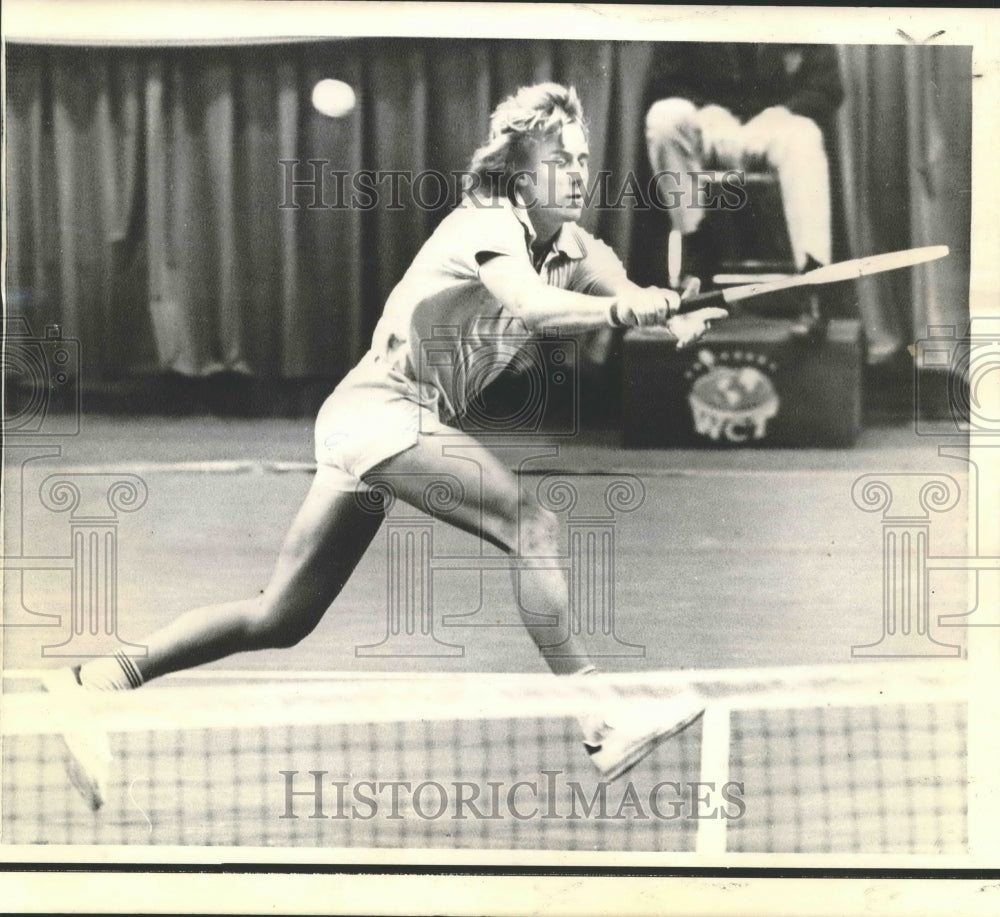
<point>374,414</point>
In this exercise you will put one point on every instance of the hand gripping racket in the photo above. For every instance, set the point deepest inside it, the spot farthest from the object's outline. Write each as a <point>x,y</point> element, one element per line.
<point>831,273</point>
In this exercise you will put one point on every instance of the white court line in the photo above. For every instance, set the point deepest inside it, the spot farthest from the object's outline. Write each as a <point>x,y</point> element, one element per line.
<point>215,466</point>
<point>224,466</point>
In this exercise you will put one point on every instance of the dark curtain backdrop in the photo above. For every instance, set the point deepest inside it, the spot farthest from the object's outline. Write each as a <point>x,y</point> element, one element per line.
<point>145,187</point>
<point>905,134</point>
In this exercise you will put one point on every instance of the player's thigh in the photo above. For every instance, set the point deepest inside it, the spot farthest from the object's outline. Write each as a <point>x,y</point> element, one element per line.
<point>327,538</point>
<point>457,479</point>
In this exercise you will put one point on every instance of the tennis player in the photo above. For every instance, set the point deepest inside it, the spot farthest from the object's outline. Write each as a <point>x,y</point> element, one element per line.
<point>509,262</point>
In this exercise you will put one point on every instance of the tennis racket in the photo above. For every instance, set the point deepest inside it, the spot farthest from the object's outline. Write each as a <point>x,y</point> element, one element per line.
<point>830,273</point>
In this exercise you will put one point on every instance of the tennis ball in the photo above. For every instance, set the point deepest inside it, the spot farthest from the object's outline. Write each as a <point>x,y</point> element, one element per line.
<point>333,98</point>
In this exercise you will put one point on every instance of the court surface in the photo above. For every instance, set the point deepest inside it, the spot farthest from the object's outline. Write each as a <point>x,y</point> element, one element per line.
<point>735,557</point>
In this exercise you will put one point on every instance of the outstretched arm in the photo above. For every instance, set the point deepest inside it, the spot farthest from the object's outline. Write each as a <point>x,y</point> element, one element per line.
<point>621,303</point>
<point>523,292</point>
<point>686,327</point>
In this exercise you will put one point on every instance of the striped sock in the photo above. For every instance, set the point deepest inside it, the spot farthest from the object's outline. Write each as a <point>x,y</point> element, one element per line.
<point>110,673</point>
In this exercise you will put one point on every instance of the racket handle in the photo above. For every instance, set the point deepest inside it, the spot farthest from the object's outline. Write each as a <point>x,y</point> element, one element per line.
<point>704,301</point>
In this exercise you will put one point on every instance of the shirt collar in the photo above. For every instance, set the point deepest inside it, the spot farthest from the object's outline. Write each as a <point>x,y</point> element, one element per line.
<point>567,241</point>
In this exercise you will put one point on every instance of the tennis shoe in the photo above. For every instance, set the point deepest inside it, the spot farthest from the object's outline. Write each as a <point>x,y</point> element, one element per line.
<point>621,741</point>
<point>89,751</point>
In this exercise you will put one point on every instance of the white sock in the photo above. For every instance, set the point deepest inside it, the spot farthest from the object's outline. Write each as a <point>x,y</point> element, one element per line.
<point>110,673</point>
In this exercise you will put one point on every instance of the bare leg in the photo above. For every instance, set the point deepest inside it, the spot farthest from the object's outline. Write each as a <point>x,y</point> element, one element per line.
<point>327,538</point>
<point>494,508</point>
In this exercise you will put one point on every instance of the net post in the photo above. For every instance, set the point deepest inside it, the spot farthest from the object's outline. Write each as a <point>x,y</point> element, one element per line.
<point>714,768</point>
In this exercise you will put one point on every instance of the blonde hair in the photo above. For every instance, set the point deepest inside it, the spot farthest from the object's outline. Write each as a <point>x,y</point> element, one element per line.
<point>518,124</point>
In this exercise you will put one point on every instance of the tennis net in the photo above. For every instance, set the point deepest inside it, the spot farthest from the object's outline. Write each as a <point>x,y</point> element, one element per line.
<point>845,759</point>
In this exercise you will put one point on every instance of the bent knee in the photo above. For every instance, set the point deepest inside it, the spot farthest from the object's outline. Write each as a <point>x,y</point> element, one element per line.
<point>267,626</point>
<point>668,117</point>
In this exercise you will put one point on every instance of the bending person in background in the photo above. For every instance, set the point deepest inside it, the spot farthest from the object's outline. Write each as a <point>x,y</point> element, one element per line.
<point>509,263</point>
<point>748,106</point>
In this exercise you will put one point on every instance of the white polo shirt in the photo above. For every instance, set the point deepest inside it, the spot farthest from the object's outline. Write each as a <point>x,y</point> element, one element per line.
<point>444,330</point>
